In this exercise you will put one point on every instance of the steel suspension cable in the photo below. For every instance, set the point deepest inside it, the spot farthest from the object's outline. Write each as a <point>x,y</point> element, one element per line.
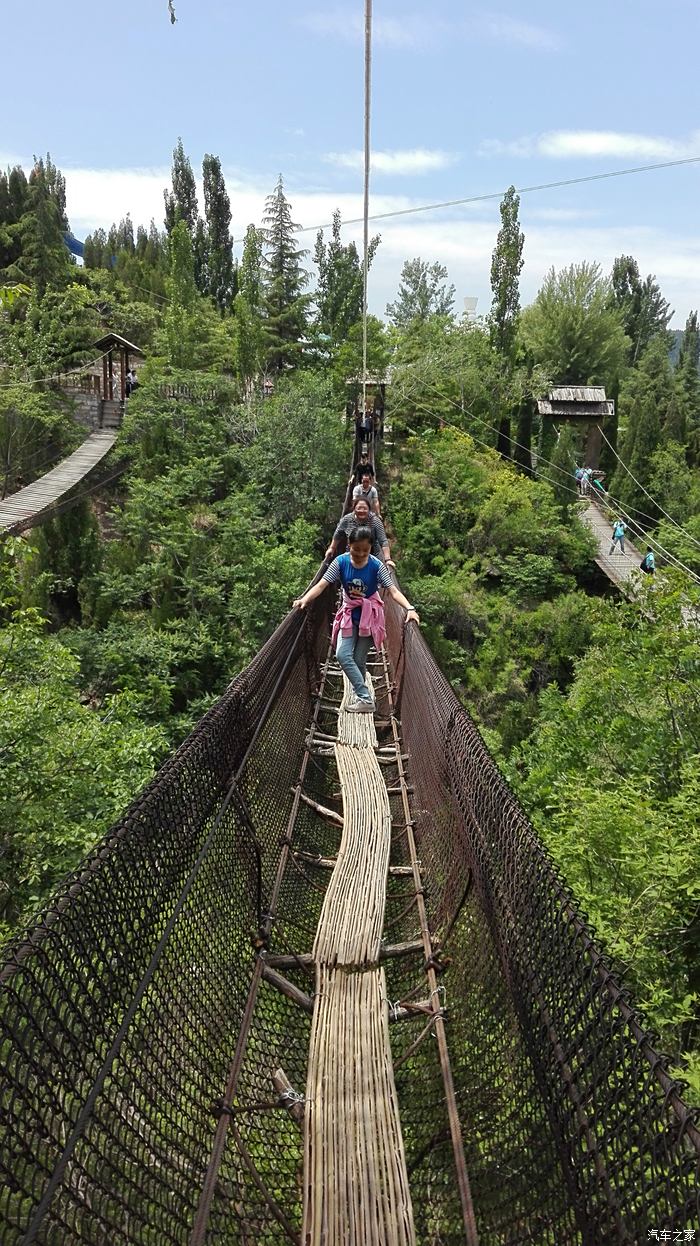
<point>646,491</point>
<point>541,459</point>
<point>554,484</point>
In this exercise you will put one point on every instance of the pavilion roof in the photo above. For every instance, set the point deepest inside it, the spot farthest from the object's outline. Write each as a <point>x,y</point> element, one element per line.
<point>115,339</point>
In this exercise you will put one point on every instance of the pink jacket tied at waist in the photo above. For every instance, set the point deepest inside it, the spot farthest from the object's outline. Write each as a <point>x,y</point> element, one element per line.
<point>371,618</point>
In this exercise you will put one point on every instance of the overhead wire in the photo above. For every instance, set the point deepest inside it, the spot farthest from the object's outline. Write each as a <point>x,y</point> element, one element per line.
<point>646,491</point>
<point>56,376</point>
<point>498,194</point>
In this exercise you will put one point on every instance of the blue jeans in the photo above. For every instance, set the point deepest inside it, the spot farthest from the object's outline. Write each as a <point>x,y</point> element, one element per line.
<point>351,652</point>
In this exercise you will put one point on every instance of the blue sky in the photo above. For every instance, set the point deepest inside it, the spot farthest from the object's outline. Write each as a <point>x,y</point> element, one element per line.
<point>467,99</point>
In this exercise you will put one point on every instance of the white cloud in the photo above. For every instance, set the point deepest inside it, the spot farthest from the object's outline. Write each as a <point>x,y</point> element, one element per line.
<point>411,30</point>
<point>399,163</point>
<point>505,29</point>
<point>595,144</point>
<point>418,31</point>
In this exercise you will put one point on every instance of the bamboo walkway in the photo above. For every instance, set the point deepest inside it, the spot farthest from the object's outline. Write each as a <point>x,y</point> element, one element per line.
<point>355,1179</point>
<point>27,503</point>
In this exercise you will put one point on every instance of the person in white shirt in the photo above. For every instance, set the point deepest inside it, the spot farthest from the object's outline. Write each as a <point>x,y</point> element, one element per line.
<point>368,493</point>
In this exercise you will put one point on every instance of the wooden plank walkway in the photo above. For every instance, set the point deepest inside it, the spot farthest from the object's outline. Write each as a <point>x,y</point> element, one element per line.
<point>618,567</point>
<point>37,497</point>
<point>355,1179</point>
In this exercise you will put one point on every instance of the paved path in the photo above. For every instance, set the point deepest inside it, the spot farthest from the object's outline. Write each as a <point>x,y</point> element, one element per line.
<point>27,503</point>
<point>618,567</point>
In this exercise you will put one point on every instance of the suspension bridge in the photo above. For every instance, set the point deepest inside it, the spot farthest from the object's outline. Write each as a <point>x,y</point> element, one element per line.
<point>322,984</point>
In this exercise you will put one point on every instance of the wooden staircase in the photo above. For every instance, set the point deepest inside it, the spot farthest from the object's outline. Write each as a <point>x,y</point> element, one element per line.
<point>112,413</point>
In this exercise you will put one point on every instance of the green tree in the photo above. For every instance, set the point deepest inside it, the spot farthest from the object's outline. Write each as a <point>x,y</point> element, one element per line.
<point>423,293</point>
<point>284,302</point>
<point>611,778</point>
<point>573,330</point>
<point>217,209</point>
<point>192,330</point>
<point>687,374</point>
<point>506,267</point>
<point>44,261</point>
<point>66,770</point>
<point>181,202</point>
<point>339,293</point>
<point>643,402</point>
<point>248,308</point>
<point>645,311</point>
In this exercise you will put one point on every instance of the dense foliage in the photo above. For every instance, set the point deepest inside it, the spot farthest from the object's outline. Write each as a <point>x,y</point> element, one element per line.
<point>125,617</point>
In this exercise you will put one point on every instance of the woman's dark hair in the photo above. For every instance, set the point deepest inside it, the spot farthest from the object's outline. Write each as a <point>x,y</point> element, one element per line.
<point>360,533</point>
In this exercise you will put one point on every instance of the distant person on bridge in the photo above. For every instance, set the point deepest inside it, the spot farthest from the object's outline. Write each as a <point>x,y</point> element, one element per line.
<point>586,481</point>
<point>367,491</point>
<point>579,477</point>
<point>648,563</point>
<point>366,425</point>
<point>360,619</point>
<point>362,465</point>
<point>618,536</point>
<point>359,517</point>
<point>131,382</point>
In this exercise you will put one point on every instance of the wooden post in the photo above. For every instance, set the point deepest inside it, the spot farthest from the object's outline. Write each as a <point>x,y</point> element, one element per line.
<point>104,378</point>
<point>124,356</point>
<point>111,374</point>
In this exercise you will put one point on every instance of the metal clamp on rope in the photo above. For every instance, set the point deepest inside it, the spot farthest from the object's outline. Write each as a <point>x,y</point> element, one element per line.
<point>219,1109</point>
<point>291,1097</point>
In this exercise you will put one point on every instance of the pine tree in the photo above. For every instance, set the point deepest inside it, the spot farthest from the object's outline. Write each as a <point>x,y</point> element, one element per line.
<point>506,267</point>
<point>45,260</point>
<point>284,281</point>
<point>250,277</point>
<point>181,203</point>
<point>339,294</point>
<point>687,368</point>
<point>217,210</point>
<point>675,427</point>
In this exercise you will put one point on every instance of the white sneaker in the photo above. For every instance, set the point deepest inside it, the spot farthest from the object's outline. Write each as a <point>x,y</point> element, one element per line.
<point>360,707</point>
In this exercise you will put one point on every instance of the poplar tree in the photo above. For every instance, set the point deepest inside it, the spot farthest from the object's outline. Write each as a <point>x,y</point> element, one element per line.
<point>645,312</point>
<point>506,267</point>
<point>217,210</point>
<point>339,294</point>
<point>248,330</point>
<point>284,280</point>
<point>181,202</point>
<point>644,401</point>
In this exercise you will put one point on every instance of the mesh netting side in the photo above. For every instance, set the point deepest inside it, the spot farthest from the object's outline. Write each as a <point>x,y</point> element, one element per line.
<point>574,1130</point>
<point>121,1005</point>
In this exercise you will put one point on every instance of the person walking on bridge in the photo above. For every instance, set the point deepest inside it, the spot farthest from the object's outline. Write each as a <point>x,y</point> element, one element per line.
<point>360,517</point>
<point>360,619</point>
<point>367,490</point>
<point>618,536</point>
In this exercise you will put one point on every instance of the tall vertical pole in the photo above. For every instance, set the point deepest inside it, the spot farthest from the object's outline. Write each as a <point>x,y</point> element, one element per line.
<point>365,248</point>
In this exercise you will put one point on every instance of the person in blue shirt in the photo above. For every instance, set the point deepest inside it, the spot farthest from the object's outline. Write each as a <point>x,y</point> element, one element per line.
<point>360,619</point>
<point>648,563</point>
<point>618,536</point>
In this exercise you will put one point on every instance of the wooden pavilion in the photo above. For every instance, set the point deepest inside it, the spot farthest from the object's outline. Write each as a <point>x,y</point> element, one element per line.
<point>109,345</point>
<point>582,405</point>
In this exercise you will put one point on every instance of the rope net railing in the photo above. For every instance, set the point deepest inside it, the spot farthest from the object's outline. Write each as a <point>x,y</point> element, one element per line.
<point>123,1005</point>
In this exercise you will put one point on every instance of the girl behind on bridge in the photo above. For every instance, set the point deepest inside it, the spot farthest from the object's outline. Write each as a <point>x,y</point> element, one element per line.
<point>360,619</point>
